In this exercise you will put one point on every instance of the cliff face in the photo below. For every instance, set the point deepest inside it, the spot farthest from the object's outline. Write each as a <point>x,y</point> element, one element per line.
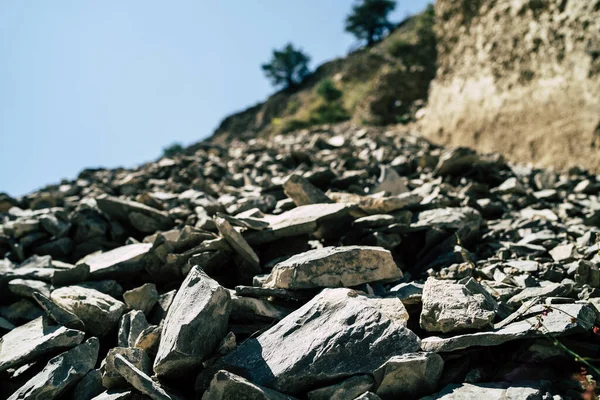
<point>519,76</point>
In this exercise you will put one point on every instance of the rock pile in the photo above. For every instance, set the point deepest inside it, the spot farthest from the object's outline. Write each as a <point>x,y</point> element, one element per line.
<point>341,263</point>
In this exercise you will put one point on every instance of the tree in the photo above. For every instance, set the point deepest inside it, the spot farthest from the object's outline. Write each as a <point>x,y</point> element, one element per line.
<point>288,66</point>
<point>368,20</point>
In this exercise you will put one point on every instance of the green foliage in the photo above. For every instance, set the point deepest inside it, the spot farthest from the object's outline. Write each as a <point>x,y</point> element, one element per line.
<point>173,149</point>
<point>328,91</point>
<point>369,20</point>
<point>330,112</point>
<point>287,67</point>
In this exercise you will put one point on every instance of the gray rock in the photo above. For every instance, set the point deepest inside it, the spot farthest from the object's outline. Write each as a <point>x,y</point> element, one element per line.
<point>141,217</point>
<point>376,204</point>
<point>490,391</point>
<point>35,339</point>
<point>298,221</point>
<point>131,325</point>
<point>115,394</point>
<point>334,267</point>
<point>302,192</point>
<point>556,323</point>
<point>338,334</point>
<point>226,385</point>
<point>238,243</point>
<point>248,308</point>
<point>195,324</point>
<point>59,314</point>
<point>117,263</point>
<point>111,378</point>
<point>409,376</point>
<point>5,324</point>
<point>347,389</point>
<point>453,307</point>
<point>61,373</point>
<point>28,287</point>
<point>549,290</point>
<point>368,396</point>
<point>391,183</point>
<point>89,386</point>
<point>109,287</point>
<point>160,309</point>
<point>149,339</point>
<point>142,298</point>
<point>141,381</point>
<point>99,312</point>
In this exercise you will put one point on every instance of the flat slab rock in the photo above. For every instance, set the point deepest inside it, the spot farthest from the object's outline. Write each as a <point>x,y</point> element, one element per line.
<point>491,391</point>
<point>195,324</point>
<point>120,262</point>
<point>334,267</point>
<point>142,217</point>
<point>338,334</point>
<point>226,385</point>
<point>454,307</point>
<point>34,339</point>
<point>99,312</point>
<point>60,373</point>
<point>557,323</point>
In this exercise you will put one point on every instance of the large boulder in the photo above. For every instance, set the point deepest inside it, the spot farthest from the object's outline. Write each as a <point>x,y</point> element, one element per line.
<point>338,334</point>
<point>195,324</point>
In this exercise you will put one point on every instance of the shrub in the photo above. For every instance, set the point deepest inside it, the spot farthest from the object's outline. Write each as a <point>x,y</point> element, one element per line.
<point>173,149</point>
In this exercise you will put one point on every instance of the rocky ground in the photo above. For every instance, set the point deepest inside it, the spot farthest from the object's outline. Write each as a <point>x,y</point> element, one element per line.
<point>342,263</point>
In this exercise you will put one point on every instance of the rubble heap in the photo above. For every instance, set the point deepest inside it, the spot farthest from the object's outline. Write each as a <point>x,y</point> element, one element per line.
<point>340,263</point>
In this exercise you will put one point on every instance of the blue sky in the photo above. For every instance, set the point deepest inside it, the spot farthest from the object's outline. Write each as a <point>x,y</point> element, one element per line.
<point>88,83</point>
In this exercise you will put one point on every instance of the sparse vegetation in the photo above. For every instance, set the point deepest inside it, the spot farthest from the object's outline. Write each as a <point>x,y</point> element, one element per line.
<point>173,149</point>
<point>287,67</point>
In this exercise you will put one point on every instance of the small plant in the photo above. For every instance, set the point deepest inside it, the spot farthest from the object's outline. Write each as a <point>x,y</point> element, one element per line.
<point>328,91</point>
<point>173,150</point>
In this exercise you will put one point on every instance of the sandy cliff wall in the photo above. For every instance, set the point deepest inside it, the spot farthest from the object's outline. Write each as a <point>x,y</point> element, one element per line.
<point>521,77</point>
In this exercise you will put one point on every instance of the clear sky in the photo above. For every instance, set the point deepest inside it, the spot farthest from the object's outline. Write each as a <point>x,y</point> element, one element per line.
<point>87,83</point>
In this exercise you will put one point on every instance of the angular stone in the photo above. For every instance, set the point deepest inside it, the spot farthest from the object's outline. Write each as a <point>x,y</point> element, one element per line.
<point>109,287</point>
<point>550,290</point>
<point>226,385</point>
<point>35,339</point>
<point>409,376</point>
<point>28,287</point>
<point>564,252</point>
<point>141,217</point>
<point>111,378</point>
<point>59,314</point>
<point>238,243</point>
<point>248,308</point>
<point>347,389</point>
<point>115,394</point>
<point>142,298</point>
<point>99,312</point>
<point>456,160</point>
<point>557,323</point>
<point>302,192</point>
<point>338,334</point>
<point>117,263</point>
<point>490,391</point>
<point>149,339</point>
<point>334,267</point>
<point>453,307</point>
<point>61,373</point>
<point>131,326</point>
<point>298,221</point>
<point>195,324</point>
<point>140,380</point>
<point>368,396</point>
<point>377,204</point>
<point>89,386</point>
<point>391,183</point>
<point>160,309</point>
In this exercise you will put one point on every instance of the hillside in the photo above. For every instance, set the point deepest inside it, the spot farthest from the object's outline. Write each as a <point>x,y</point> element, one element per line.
<point>380,85</point>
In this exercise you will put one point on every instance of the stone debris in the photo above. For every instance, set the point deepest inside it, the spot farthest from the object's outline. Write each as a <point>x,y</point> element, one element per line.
<point>265,270</point>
